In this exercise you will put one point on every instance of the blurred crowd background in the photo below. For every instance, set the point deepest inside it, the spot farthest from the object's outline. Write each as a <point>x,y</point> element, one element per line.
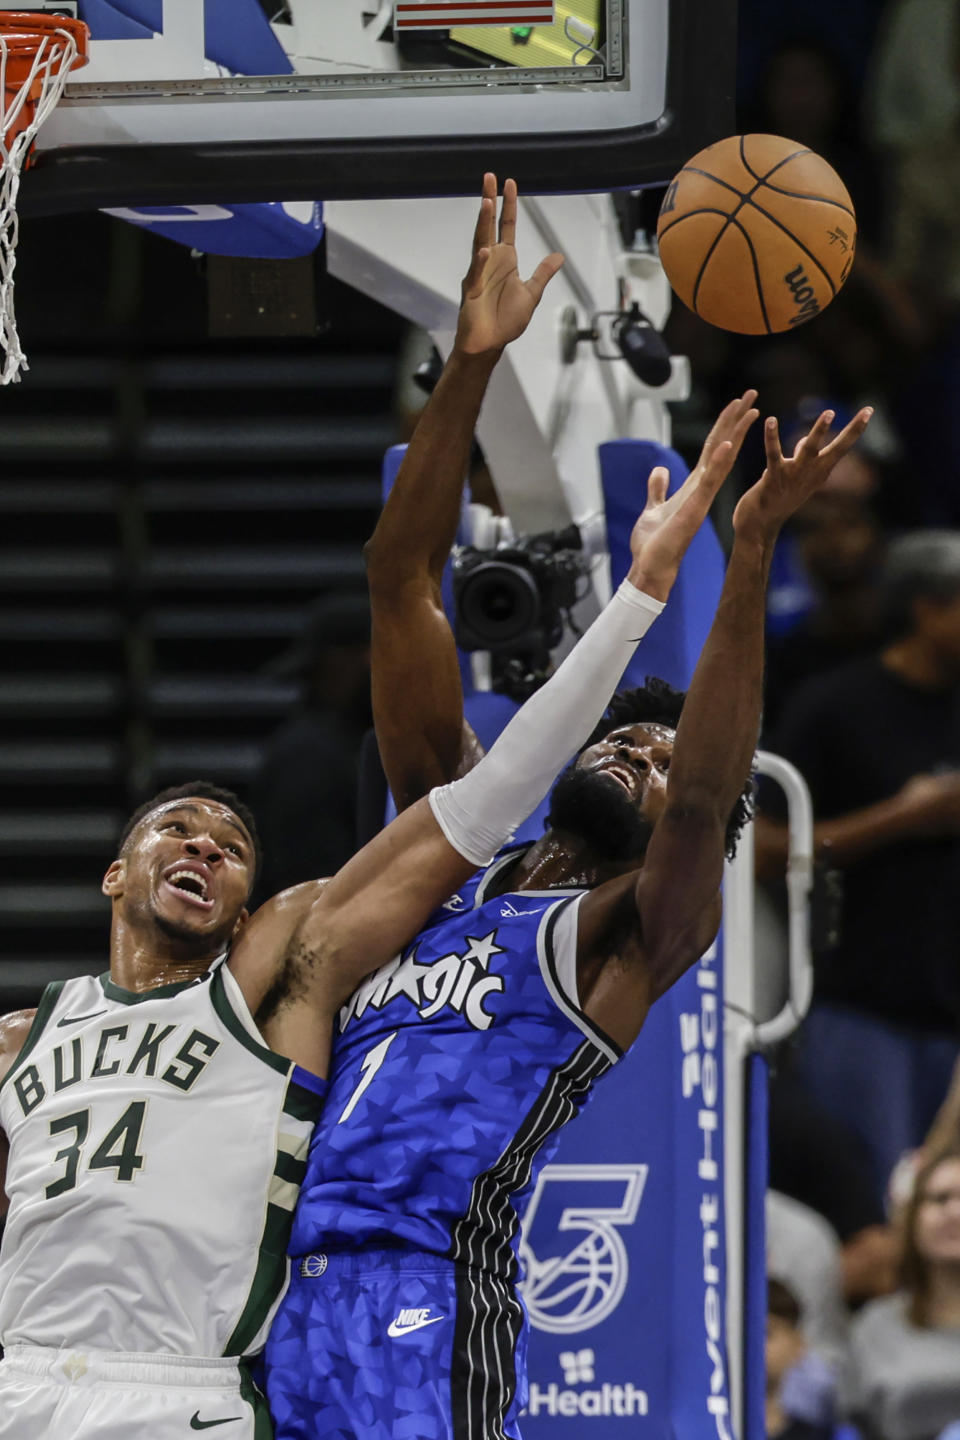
<point>182,569</point>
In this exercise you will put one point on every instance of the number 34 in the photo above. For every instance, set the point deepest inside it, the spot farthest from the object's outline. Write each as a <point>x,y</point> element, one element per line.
<point>118,1150</point>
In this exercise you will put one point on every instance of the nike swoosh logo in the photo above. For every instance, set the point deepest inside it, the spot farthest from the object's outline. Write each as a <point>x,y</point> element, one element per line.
<point>197,1424</point>
<point>394,1330</point>
<point>75,1019</point>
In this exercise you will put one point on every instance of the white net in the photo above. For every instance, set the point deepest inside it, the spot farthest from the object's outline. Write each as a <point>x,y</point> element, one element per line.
<point>23,82</point>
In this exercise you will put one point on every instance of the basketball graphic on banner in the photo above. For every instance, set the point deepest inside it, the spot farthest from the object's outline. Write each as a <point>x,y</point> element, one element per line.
<point>579,1287</point>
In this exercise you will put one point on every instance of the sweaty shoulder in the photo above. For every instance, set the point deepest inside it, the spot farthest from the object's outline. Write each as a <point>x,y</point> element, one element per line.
<point>14,1029</point>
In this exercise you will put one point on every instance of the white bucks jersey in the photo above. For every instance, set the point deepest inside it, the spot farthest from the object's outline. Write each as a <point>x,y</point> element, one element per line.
<point>156,1153</point>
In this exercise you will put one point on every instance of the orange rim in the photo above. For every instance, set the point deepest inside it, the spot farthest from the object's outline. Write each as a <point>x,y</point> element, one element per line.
<point>22,34</point>
<point>25,29</point>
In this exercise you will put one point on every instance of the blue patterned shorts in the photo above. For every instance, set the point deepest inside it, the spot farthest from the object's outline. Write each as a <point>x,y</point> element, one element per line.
<point>395,1345</point>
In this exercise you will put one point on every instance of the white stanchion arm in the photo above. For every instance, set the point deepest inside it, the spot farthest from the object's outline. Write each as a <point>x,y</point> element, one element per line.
<point>799,888</point>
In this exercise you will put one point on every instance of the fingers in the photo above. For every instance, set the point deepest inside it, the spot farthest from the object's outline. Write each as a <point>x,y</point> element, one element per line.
<point>718,467</point>
<point>658,482</point>
<point>543,274</point>
<point>771,442</point>
<point>731,422</point>
<point>818,432</point>
<point>484,233</point>
<point>508,213</point>
<point>850,434</point>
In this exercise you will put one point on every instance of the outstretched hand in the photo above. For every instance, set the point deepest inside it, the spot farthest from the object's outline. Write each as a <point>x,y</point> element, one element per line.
<point>663,533</point>
<point>496,304</point>
<point>787,483</point>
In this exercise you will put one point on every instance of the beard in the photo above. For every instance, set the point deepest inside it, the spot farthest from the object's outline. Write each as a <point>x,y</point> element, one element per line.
<point>601,813</point>
<point>187,937</point>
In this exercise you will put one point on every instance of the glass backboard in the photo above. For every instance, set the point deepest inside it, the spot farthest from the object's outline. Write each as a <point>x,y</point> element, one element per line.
<point>248,100</point>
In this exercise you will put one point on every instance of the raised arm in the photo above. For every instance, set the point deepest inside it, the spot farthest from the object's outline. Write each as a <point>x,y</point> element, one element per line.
<point>417,698</point>
<point>305,951</point>
<point>654,924</point>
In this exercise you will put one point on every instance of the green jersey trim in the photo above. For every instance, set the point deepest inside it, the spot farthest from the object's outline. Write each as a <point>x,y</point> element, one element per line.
<point>268,1280</point>
<point>224,1008</point>
<point>302,1105</point>
<point>262,1424</point>
<point>136,997</point>
<point>48,1001</point>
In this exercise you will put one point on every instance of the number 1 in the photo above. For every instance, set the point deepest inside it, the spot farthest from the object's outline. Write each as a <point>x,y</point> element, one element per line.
<point>371,1064</point>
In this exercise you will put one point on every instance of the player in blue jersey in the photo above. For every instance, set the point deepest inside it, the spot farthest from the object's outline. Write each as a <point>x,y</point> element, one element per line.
<point>456,1064</point>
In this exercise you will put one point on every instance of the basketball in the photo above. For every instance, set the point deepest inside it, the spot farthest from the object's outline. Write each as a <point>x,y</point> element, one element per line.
<point>757,234</point>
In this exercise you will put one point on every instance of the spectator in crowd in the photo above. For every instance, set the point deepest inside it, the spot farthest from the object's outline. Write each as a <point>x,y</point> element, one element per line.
<point>804,1253</point>
<point>906,1347</point>
<point>304,797</point>
<point>878,742</point>
<point>799,1387</point>
<point>944,1134</point>
<point>838,544</point>
<point>806,92</point>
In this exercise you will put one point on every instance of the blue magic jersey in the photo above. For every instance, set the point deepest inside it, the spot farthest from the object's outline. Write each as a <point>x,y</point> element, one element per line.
<point>453,1068</point>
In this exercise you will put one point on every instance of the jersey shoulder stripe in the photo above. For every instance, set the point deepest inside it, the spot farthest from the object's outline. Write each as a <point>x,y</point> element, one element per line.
<point>48,1002</point>
<point>230,1006</point>
<point>557,954</point>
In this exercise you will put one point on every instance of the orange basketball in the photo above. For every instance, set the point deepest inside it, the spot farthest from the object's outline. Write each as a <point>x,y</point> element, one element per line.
<point>757,234</point>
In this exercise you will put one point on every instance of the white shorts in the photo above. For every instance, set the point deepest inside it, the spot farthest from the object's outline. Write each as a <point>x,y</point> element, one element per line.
<point>95,1395</point>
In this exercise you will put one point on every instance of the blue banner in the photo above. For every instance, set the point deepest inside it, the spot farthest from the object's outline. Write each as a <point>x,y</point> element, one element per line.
<point>623,1241</point>
<point>267,231</point>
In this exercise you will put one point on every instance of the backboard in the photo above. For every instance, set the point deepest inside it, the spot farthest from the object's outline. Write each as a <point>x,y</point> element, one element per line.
<point>196,101</point>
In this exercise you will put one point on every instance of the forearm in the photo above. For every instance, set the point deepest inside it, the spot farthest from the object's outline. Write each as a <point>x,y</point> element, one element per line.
<point>419,521</point>
<point>840,842</point>
<point>720,721</point>
<point>479,812</point>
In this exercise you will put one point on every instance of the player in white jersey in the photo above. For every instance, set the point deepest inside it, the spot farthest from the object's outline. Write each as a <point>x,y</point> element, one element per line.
<point>156,1118</point>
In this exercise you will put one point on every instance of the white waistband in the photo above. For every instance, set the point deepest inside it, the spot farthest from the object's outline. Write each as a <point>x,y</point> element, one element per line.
<point>90,1367</point>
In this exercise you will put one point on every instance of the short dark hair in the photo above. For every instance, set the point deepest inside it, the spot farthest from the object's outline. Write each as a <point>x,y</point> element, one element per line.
<point>657,703</point>
<point>200,790</point>
<point>922,565</point>
<point>782,1302</point>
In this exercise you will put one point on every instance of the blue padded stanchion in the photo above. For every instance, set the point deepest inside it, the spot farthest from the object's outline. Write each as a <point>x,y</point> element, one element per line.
<point>755,1247</point>
<point>672,647</point>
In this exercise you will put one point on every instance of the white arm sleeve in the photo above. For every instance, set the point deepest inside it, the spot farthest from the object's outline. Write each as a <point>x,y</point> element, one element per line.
<point>479,813</point>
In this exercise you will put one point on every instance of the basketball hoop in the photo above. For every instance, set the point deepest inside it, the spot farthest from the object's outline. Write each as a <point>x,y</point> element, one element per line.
<point>37,53</point>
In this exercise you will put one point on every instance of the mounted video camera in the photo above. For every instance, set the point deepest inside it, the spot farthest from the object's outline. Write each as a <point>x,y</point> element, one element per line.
<point>512,601</point>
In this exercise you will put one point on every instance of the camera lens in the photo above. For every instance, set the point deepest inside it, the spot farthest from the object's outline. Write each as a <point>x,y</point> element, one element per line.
<point>498,603</point>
